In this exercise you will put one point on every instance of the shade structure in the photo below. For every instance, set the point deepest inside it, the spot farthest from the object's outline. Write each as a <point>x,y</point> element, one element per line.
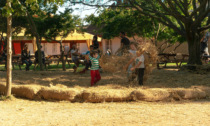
<point>74,37</point>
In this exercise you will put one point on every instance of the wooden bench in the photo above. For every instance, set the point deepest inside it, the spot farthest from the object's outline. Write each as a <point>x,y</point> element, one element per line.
<point>69,61</point>
<point>2,62</point>
<point>14,61</point>
<point>172,58</point>
<point>46,64</point>
<point>165,58</point>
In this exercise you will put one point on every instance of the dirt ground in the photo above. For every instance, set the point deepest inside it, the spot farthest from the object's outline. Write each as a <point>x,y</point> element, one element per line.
<point>24,112</point>
<point>19,112</point>
<point>164,78</point>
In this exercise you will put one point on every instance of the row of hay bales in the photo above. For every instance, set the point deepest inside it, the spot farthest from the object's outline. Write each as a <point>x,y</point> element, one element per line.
<point>98,95</point>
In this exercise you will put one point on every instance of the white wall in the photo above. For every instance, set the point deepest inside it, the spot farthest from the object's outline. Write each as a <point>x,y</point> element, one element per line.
<point>116,42</point>
<point>83,47</point>
<point>54,48</point>
<point>30,47</point>
<point>51,48</point>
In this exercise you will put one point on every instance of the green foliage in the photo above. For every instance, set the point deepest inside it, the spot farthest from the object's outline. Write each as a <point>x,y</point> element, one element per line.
<point>18,23</point>
<point>55,24</point>
<point>112,21</point>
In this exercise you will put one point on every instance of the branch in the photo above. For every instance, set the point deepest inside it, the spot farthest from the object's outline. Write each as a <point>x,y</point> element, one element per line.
<point>204,28</point>
<point>196,10</point>
<point>175,13</point>
<point>98,5</point>
<point>159,16</point>
<point>177,46</point>
<point>201,17</point>
<point>182,9</point>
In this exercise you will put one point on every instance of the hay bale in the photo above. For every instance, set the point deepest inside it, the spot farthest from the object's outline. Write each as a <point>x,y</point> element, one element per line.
<point>206,90</point>
<point>2,89</point>
<point>58,94</point>
<point>111,95</point>
<point>24,91</point>
<point>190,93</point>
<point>114,64</point>
<point>150,95</point>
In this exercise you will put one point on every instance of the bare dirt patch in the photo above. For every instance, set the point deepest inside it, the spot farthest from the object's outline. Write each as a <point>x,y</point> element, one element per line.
<point>162,85</point>
<point>20,112</point>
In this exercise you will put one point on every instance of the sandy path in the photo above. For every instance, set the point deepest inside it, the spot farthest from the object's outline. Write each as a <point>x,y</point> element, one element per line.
<point>39,113</point>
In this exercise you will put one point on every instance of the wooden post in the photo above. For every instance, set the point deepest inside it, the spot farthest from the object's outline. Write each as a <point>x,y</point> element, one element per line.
<point>9,52</point>
<point>34,44</point>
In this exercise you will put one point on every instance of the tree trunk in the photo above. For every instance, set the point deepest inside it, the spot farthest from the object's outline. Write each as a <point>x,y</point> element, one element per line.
<point>62,57</point>
<point>9,52</point>
<point>35,33</point>
<point>194,49</point>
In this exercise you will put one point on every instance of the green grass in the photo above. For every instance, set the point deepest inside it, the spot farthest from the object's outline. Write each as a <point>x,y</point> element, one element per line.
<point>173,64</point>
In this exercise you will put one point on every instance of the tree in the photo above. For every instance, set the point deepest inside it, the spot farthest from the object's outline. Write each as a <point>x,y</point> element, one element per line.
<point>189,18</point>
<point>9,50</point>
<point>14,7</point>
<point>190,15</point>
<point>57,25</point>
<point>54,25</point>
<point>111,22</point>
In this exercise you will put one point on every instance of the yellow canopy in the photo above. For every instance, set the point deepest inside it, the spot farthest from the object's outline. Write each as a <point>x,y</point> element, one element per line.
<point>72,36</point>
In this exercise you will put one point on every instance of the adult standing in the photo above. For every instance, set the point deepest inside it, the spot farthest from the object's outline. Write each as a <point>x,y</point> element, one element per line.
<point>95,42</point>
<point>124,46</point>
<point>125,42</point>
<point>75,57</point>
<point>25,57</point>
<point>204,44</point>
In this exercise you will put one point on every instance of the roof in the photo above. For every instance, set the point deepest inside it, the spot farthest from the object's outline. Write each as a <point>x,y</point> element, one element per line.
<point>92,29</point>
<point>72,36</point>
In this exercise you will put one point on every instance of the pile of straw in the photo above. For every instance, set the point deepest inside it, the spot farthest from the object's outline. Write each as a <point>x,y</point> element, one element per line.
<point>151,95</point>
<point>111,95</point>
<point>99,95</point>
<point>2,89</point>
<point>25,91</point>
<point>57,94</point>
<point>114,64</point>
<point>194,93</point>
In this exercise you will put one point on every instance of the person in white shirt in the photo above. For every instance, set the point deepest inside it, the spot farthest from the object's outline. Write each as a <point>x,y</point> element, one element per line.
<point>139,66</point>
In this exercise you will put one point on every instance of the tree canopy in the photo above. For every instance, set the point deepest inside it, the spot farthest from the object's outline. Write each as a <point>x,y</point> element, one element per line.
<point>112,21</point>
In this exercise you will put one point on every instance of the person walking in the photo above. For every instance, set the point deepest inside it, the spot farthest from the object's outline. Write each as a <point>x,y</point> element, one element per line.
<point>95,74</point>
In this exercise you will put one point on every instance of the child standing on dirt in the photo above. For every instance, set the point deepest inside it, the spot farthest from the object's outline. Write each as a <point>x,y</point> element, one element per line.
<point>95,75</point>
<point>139,66</point>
